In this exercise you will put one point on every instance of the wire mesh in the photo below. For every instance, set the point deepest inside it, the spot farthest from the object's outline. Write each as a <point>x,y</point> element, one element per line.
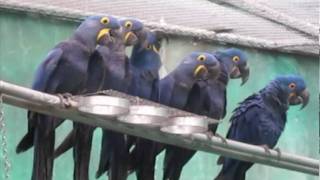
<point>4,143</point>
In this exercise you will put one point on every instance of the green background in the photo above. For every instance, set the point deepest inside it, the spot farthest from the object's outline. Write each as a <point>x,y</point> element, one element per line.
<point>25,40</point>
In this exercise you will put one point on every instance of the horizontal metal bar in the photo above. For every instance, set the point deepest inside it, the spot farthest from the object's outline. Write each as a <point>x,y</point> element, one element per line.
<point>21,97</point>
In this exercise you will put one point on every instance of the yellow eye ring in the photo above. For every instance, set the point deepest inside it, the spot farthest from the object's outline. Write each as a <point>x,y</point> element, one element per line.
<point>236,58</point>
<point>149,46</point>
<point>201,58</point>
<point>292,85</point>
<point>105,20</point>
<point>128,24</point>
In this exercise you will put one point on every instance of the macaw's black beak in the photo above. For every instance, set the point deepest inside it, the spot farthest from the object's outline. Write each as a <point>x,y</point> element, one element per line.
<point>301,98</point>
<point>200,72</point>
<point>161,35</point>
<point>130,38</point>
<point>104,36</point>
<point>240,72</point>
<point>107,36</point>
<point>245,73</point>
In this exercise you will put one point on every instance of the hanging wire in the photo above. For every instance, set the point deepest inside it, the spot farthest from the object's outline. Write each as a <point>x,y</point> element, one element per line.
<point>4,142</point>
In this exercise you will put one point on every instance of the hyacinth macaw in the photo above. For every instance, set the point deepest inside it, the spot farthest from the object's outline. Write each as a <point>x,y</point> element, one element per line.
<point>64,70</point>
<point>260,119</point>
<point>210,99</point>
<point>145,64</point>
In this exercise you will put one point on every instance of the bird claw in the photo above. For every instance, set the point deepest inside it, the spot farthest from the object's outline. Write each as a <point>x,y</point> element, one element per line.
<point>65,99</point>
<point>224,140</point>
<point>266,149</point>
<point>278,151</point>
<point>209,134</point>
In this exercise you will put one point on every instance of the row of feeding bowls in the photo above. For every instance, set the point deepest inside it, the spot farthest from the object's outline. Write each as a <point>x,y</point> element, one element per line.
<point>144,115</point>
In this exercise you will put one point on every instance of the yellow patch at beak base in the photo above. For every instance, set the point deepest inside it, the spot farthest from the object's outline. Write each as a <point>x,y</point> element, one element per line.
<point>199,69</point>
<point>102,32</point>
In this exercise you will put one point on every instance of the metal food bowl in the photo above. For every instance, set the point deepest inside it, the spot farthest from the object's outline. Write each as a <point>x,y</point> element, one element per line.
<point>145,115</point>
<point>103,105</point>
<point>186,125</point>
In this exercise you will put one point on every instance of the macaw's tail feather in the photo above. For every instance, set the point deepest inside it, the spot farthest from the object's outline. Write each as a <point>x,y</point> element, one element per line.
<point>26,142</point>
<point>66,144</point>
<point>118,169</point>
<point>82,151</point>
<point>233,170</point>
<point>106,145</point>
<point>175,159</point>
<point>145,159</point>
<point>44,137</point>
<point>220,160</point>
<point>226,177</point>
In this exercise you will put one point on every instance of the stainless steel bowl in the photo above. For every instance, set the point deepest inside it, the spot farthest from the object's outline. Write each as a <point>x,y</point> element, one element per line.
<point>103,105</point>
<point>186,125</point>
<point>145,115</point>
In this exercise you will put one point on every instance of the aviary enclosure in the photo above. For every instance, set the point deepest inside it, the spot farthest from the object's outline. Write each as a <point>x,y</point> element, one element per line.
<point>278,38</point>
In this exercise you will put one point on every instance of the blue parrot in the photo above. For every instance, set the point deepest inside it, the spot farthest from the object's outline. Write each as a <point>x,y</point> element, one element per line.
<point>108,69</point>
<point>208,98</point>
<point>145,64</point>
<point>175,89</point>
<point>261,118</point>
<point>62,71</point>
<point>114,155</point>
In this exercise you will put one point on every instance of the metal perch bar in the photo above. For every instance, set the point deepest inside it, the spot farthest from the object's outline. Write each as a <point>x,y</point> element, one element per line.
<point>50,104</point>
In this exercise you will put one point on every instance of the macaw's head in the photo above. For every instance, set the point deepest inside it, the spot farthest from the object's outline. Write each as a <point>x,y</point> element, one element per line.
<point>237,60</point>
<point>293,87</point>
<point>132,31</point>
<point>146,53</point>
<point>151,42</point>
<point>97,30</point>
<point>202,65</point>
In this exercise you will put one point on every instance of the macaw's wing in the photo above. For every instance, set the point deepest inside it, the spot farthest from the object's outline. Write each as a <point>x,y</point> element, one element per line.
<point>43,74</point>
<point>175,159</point>
<point>252,124</point>
<point>155,96</point>
<point>96,73</point>
<point>165,89</point>
<point>46,69</point>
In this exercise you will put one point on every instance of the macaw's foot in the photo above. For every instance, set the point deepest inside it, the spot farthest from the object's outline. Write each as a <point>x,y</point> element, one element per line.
<point>223,139</point>
<point>65,99</point>
<point>209,134</point>
<point>278,151</point>
<point>266,148</point>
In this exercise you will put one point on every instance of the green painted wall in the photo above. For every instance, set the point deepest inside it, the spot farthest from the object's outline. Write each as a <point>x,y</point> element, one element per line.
<point>25,40</point>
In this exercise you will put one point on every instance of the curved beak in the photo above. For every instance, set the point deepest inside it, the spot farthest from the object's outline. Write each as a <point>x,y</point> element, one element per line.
<point>155,49</point>
<point>200,71</point>
<point>240,72</point>
<point>245,73</point>
<point>130,38</point>
<point>301,98</point>
<point>102,33</point>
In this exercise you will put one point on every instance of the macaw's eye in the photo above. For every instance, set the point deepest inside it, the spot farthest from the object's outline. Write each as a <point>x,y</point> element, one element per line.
<point>292,86</point>
<point>235,59</point>
<point>105,20</point>
<point>201,58</point>
<point>149,46</point>
<point>128,24</point>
